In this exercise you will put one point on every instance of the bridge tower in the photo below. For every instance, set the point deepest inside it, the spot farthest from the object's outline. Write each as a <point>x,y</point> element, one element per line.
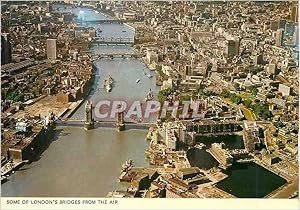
<point>89,122</point>
<point>120,121</point>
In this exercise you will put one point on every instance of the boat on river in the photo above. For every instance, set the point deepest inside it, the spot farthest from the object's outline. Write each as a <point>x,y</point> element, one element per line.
<point>150,95</point>
<point>200,146</point>
<point>127,165</point>
<point>108,83</point>
<point>108,87</point>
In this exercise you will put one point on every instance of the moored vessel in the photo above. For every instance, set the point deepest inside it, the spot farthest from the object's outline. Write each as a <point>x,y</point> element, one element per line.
<point>108,83</point>
<point>150,95</point>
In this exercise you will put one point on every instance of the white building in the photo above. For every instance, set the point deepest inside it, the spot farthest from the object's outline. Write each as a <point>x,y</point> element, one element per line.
<point>284,89</point>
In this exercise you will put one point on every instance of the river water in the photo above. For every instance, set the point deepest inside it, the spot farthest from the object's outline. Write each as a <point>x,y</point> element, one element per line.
<point>82,163</point>
<point>250,181</point>
<point>245,180</point>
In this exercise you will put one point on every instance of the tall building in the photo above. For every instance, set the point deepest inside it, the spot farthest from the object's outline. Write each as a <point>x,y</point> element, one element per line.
<point>294,13</point>
<point>296,35</point>
<point>274,25</point>
<point>89,121</point>
<point>258,59</point>
<point>279,37</point>
<point>51,49</point>
<point>49,6</point>
<point>281,24</point>
<point>232,48</point>
<point>5,49</point>
<point>289,28</point>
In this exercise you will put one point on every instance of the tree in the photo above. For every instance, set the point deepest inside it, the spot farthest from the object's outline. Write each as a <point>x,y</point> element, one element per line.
<point>19,97</point>
<point>163,94</point>
<point>262,111</point>
<point>11,95</point>
<point>225,94</point>
<point>253,91</point>
<point>247,103</point>
<point>278,124</point>
<point>234,98</point>
<point>236,86</point>
<point>200,91</point>
<point>266,114</point>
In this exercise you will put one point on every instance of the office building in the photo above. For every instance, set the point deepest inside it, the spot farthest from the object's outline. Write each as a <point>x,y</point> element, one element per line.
<point>232,48</point>
<point>284,89</point>
<point>294,14</point>
<point>296,35</point>
<point>6,50</point>
<point>279,38</point>
<point>51,49</point>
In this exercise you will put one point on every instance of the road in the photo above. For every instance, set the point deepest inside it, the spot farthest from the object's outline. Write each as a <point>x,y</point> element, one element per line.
<point>247,112</point>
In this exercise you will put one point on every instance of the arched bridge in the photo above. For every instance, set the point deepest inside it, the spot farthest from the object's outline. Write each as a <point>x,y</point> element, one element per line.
<point>108,21</point>
<point>116,55</point>
<point>114,41</point>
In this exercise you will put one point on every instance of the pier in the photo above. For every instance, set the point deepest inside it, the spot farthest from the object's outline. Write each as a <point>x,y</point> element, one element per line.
<point>11,166</point>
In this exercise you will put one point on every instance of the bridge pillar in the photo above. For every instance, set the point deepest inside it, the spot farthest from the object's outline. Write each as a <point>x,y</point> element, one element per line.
<point>120,126</point>
<point>89,122</point>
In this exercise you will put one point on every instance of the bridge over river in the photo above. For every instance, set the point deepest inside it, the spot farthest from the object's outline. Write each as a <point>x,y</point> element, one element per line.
<point>108,21</point>
<point>105,124</point>
<point>116,55</point>
<point>113,41</point>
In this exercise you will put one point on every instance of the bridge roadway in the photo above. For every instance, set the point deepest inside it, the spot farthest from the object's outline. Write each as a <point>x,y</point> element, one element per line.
<point>105,124</point>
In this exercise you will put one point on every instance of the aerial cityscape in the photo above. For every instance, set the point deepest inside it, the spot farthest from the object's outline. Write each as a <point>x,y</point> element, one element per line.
<point>151,99</point>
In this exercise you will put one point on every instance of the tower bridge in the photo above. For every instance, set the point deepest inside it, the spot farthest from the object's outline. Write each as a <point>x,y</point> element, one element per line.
<point>90,123</point>
<point>105,124</point>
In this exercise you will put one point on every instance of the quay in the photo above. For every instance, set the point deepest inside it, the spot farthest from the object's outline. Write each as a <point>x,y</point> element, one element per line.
<point>288,190</point>
<point>221,155</point>
<point>11,166</point>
